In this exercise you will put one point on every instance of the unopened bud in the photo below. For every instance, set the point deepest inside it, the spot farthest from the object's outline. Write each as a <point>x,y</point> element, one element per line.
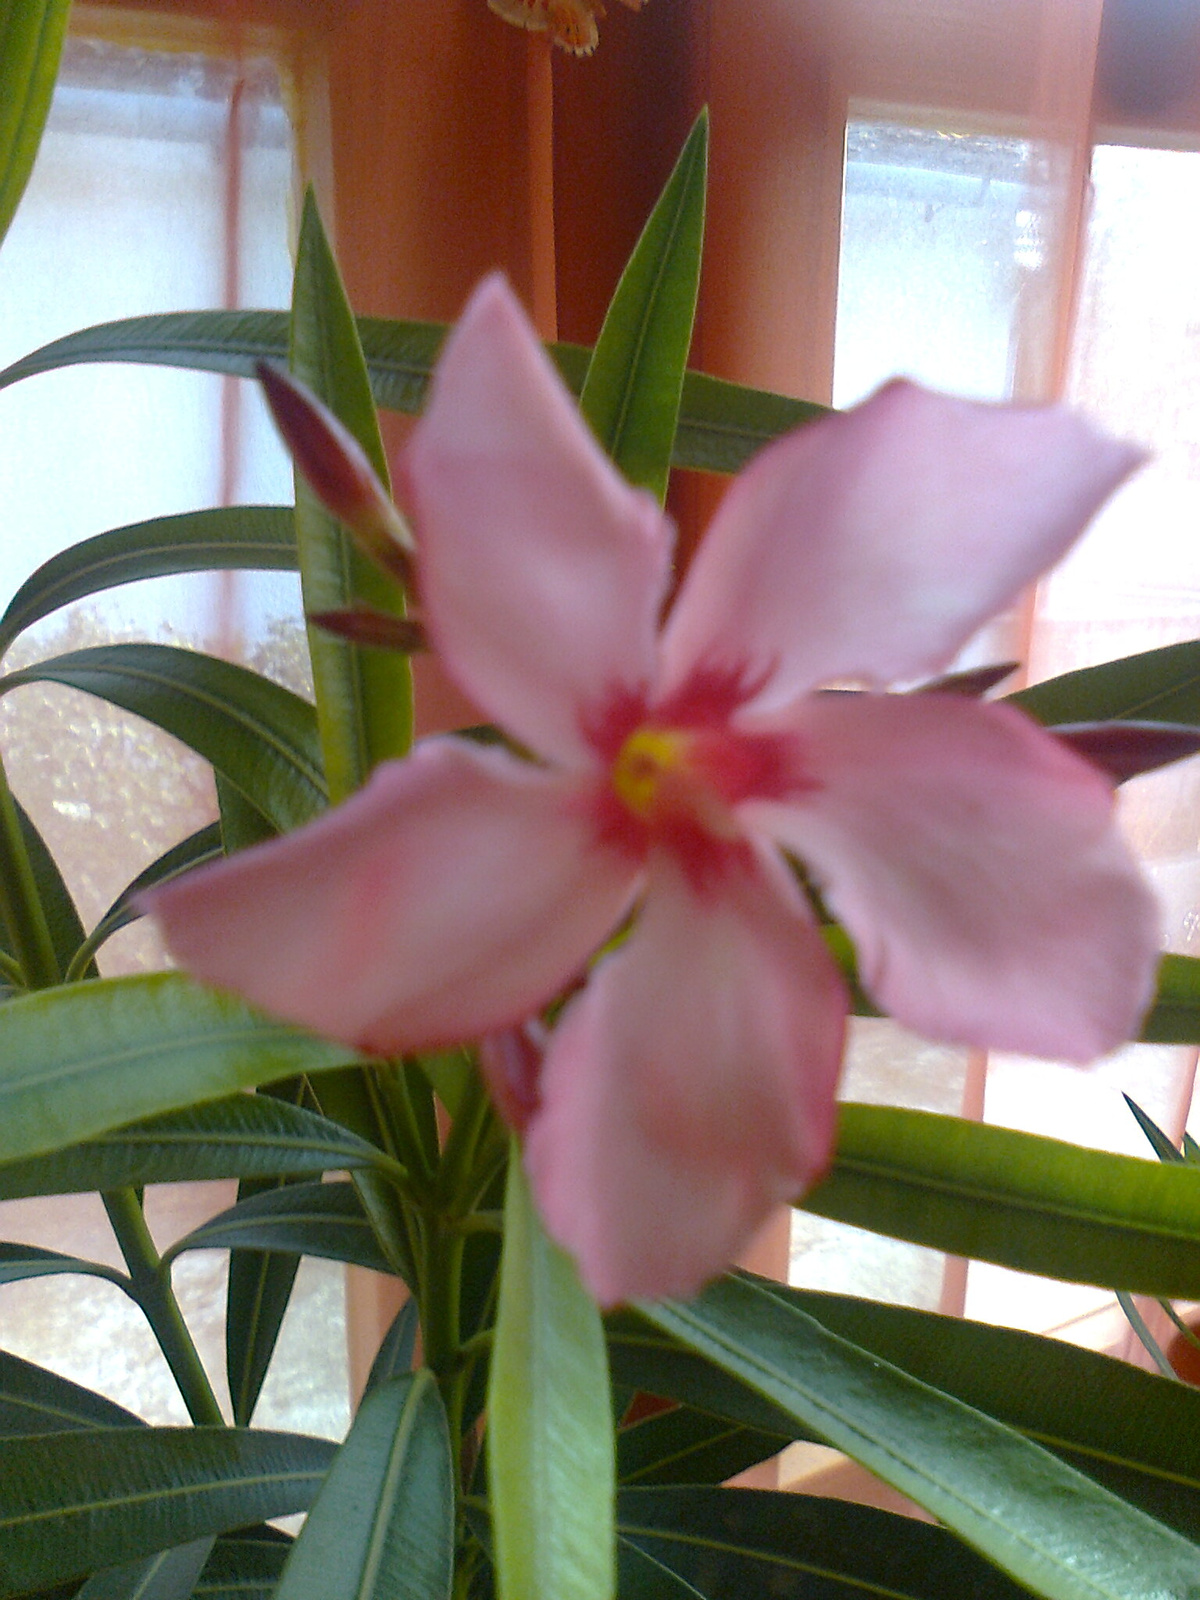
<point>973,683</point>
<point>511,1062</point>
<point>364,625</point>
<point>336,468</point>
<point>1125,750</point>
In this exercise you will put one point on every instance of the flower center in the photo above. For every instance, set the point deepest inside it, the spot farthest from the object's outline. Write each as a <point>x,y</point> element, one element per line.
<point>651,767</point>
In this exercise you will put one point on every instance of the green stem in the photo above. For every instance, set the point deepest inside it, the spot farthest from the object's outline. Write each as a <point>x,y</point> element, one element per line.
<point>20,904</point>
<point>151,1283</point>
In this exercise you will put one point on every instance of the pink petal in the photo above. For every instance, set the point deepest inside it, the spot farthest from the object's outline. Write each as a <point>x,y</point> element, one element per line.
<point>690,1089</point>
<point>458,892</point>
<point>977,866</point>
<point>871,545</point>
<point>542,572</point>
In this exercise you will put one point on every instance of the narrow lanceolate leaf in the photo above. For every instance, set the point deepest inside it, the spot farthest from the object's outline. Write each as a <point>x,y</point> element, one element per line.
<point>395,1355</point>
<point>735,1542</point>
<point>245,1565</point>
<point>206,844</point>
<point>242,1136</point>
<point>20,1261</point>
<point>635,380</point>
<point>33,1400</point>
<point>685,1445</point>
<point>258,537</point>
<point>364,697</point>
<point>1016,1199</point>
<point>31,40</point>
<point>260,736</point>
<point>62,919</point>
<point>549,1436</point>
<point>260,1283</point>
<point>1154,686</point>
<point>74,1502</point>
<point>169,1575</point>
<point>721,425</point>
<point>80,1060</point>
<point>311,1219</point>
<point>1127,749</point>
<point>1047,1526</point>
<point>383,1524</point>
<point>1174,1018</point>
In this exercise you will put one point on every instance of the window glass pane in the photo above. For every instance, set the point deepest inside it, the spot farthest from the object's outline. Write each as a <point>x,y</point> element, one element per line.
<point>164,183</point>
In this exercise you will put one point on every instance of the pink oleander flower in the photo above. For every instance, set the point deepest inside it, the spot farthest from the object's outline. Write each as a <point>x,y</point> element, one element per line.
<point>688,1086</point>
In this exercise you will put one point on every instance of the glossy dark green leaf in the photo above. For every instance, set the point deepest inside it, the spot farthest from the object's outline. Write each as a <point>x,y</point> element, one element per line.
<point>732,1543</point>
<point>31,40</point>
<point>244,1566</point>
<point>364,697</point>
<point>684,1445</point>
<point>258,537</point>
<point>58,907</point>
<point>168,1575</point>
<point>82,1059</point>
<point>1035,1204</point>
<point>721,425</point>
<point>1159,1143</point>
<point>242,1136</point>
<point>311,1219</point>
<point>260,736</point>
<point>20,1261</point>
<point>34,1400</point>
<point>395,1355</point>
<point>204,845</point>
<point>634,381</point>
<point>242,824</point>
<point>1174,1018</point>
<point>1048,1526</point>
<point>260,1283</point>
<point>1154,686</point>
<point>549,1435</point>
<point>73,1502</point>
<point>383,1524</point>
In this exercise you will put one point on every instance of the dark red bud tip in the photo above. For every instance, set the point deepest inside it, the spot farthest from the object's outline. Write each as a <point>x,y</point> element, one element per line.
<point>974,683</point>
<point>511,1062</point>
<point>364,625</point>
<point>1125,750</point>
<point>336,468</point>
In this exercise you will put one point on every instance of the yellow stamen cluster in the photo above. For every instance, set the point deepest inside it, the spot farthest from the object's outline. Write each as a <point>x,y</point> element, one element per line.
<point>650,759</point>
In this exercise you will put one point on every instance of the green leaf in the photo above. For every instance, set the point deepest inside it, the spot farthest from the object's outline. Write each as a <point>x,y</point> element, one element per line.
<point>34,1400</point>
<point>734,1542</point>
<point>31,40</point>
<point>364,697</point>
<point>82,1059</point>
<point>1174,1018</point>
<point>62,919</point>
<point>20,1261</point>
<point>198,848</point>
<point>1048,1526</point>
<point>242,1136</point>
<point>395,1355</point>
<point>1034,1204</point>
<point>549,1436</point>
<point>260,1284</point>
<point>1159,1143</point>
<point>383,1524</point>
<point>169,1575</point>
<point>684,1445</point>
<point>244,1566</point>
<point>223,537</point>
<point>260,736</point>
<point>1154,686</point>
<point>242,824</point>
<point>310,1219</point>
<point>635,379</point>
<point>73,1502</point>
<point>721,425</point>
